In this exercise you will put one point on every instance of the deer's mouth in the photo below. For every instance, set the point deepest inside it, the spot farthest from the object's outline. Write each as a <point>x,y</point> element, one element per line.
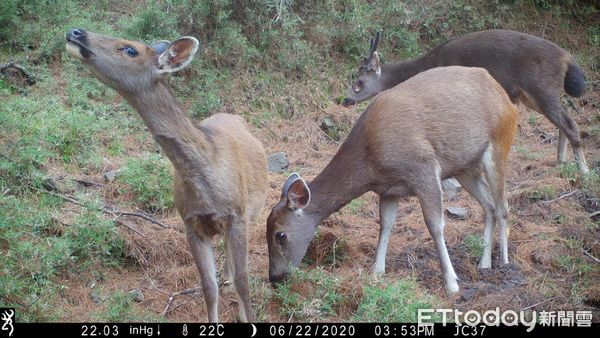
<point>77,48</point>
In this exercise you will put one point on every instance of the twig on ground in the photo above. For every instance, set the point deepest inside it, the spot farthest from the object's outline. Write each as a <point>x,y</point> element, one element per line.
<point>270,130</point>
<point>591,256</point>
<point>130,227</point>
<point>178,293</point>
<point>536,304</point>
<point>140,215</point>
<point>113,212</point>
<point>594,214</point>
<point>561,196</point>
<point>87,183</point>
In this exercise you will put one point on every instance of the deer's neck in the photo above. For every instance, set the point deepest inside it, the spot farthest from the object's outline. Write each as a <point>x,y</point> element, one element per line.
<point>184,144</point>
<point>345,178</point>
<point>396,73</point>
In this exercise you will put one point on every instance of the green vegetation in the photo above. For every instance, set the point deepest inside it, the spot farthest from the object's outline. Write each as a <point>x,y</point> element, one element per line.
<point>393,301</point>
<point>311,295</point>
<point>474,245</point>
<point>149,179</point>
<point>266,60</point>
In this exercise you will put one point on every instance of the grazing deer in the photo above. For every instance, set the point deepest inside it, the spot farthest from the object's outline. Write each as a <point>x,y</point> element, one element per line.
<point>532,70</point>
<point>448,121</point>
<point>220,177</point>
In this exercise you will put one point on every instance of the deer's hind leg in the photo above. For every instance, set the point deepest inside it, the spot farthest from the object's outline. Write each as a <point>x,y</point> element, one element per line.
<point>429,193</point>
<point>474,184</point>
<point>548,104</point>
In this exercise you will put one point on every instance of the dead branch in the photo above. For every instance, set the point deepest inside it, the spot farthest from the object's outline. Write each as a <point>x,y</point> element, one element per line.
<point>87,183</point>
<point>130,227</point>
<point>536,304</point>
<point>113,212</point>
<point>561,196</point>
<point>140,215</point>
<point>594,214</point>
<point>591,256</point>
<point>178,293</point>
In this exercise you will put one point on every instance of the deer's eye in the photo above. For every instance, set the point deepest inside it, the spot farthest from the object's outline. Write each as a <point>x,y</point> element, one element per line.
<point>130,51</point>
<point>280,236</point>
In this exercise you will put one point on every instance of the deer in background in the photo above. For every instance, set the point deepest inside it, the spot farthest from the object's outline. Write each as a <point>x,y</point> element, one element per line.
<point>220,176</point>
<point>448,121</point>
<point>532,70</point>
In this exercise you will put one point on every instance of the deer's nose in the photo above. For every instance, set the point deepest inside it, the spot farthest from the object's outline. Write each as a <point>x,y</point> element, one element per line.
<point>76,34</point>
<point>347,102</point>
<point>276,279</point>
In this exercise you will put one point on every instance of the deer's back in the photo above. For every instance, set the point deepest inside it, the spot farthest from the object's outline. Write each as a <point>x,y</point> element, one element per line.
<point>449,114</point>
<point>514,59</point>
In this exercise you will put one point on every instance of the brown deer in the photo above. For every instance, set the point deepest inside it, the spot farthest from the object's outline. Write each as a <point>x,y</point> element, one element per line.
<point>220,176</point>
<point>532,70</point>
<point>447,121</point>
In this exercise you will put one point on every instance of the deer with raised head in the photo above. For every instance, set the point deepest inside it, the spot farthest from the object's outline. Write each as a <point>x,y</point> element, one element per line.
<point>532,70</point>
<point>448,121</point>
<point>220,177</point>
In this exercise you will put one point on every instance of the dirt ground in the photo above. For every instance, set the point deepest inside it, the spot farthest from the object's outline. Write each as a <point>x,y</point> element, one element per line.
<point>541,229</point>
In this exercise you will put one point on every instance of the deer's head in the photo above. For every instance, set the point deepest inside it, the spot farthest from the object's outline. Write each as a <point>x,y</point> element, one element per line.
<point>289,229</point>
<point>129,66</point>
<point>369,82</point>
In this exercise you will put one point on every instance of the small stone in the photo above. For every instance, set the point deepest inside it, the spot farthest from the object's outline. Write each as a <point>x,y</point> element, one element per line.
<point>50,184</point>
<point>277,162</point>
<point>458,213</point>
<point>111,175</point>
<point>95,297</point>
<point>451,188</point>
<point>136,295</point>
<point>329,127</point>
<point>467,294</point>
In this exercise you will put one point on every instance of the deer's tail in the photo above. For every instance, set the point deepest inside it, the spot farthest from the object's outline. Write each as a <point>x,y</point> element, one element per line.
<point>574,80</point>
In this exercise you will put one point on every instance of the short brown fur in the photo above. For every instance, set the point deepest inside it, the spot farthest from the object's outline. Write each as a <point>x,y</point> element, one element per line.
<point>532,70</point>
<point>447,121</point>
<point>220,177</point>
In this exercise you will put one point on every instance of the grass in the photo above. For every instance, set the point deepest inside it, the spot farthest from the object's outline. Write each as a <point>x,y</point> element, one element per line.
<point>311,295</point>
<point>118,306</point>
<point>318,295</point>
<point>256,63</point>
<point>474,245</point>
<point>393,301</point>
<point>148,178</point>
<point>38,248</point>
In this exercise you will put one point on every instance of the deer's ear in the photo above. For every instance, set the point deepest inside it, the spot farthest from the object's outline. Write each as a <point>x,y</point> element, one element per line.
<point>160,46</point>
<point>374,63</point>
<point>296,192</point>
<point>178,54</point>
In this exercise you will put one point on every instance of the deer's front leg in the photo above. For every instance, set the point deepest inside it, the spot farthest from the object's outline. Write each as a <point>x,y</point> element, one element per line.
<point>388,208</point>
<point>203,255</point>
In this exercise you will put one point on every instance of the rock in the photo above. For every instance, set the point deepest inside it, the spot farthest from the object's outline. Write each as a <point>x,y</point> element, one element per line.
<point>451,188</point>
<point>111,175</point>
<point>277,162</point>
<point>467,294</point>
<point>50,184</point>
<point>95,297</point>
<point>329,127</point>
<point>458,213</point>
<point>136,295</point>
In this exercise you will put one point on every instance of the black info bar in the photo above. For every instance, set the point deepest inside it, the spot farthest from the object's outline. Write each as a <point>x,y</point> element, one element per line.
<point>173,330</point>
